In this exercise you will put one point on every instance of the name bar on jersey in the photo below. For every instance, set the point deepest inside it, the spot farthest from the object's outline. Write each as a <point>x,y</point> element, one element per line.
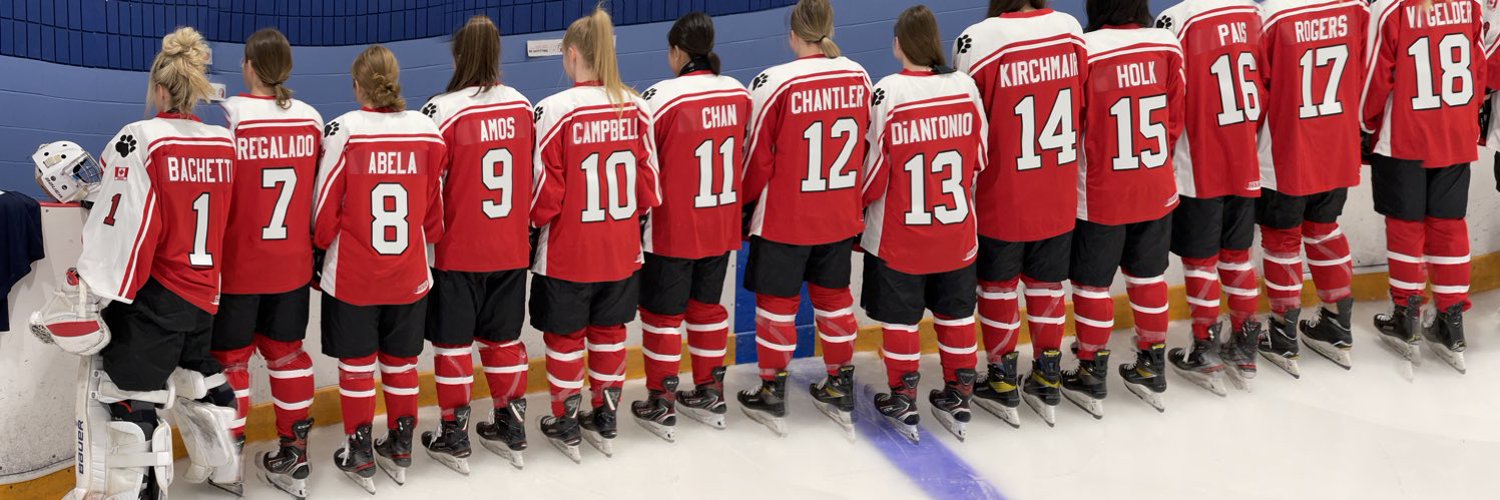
<point>828,99</point>
<point>932,128</point>
<point>1439,14</point>
<point>1037,70</point>
<point>597,131</point>
<point>1325,28</point>
<point>200,170</point>
<point>277,147</point>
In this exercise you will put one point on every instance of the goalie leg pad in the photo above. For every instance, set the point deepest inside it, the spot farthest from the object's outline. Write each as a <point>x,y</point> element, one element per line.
<point>115,454</point>
<point>204,425</point>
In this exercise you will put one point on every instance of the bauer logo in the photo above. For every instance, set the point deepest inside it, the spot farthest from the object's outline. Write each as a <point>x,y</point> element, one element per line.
<point>80,453</point>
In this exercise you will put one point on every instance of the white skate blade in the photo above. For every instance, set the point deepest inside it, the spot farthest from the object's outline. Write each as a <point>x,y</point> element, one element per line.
<point>1094,407</point>
<point>236,489</point>
<point>1454,359</point>
<point>605,446</point>
<point>958,429</point>
<point>1213,380</point>
<point>1042,409</point>
<point>499,448</point>
<point>775,423</point>
<point>1239,379</point>
<point>368,483</point>
<point>907,431</point>
<point>668,433</point>
<point>397,474</point>
<point>459,465</point>
<point>844,419</point>
<point>1005,413</point>
<point>1150,397</point>
<point>297,488</point>
<point>1338,356</point>
<point>1410,354</point>
<point>709,418</point>
<point>569,450</point>
<point>1289,365</point>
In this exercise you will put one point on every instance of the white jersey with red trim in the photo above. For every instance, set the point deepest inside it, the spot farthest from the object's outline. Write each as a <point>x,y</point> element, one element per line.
<point>486,179</point>
<point>268,245</point>
<point>928,135</point>
<point>1030,69</point>
<point>1426,79</point>
<point>161,212</point>
<point>699,122</point>
<point>808,123</point>
<point>378,205</point>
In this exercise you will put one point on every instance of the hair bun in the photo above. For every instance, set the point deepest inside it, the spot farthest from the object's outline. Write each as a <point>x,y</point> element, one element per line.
<point>186,42</point>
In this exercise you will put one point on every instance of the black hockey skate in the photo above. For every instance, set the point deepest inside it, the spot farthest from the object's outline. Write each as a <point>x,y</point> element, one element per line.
<point>506,435</point>
<point>1238,352</point>
<point>1086,385</point>
<point>357,459</point>
<point>393,454</point>
<point>767,404</point>
<point>564,432</point>
<point>658,412</point>
<point>287,469</point>
<point>1147,377</point>
<point>450,445</point>
<point>951,404</point>
<point>1399,330</point>
<point>1000,392</point>
<point>602,425</point>
<point>1445,337</point>
<point>1200,364</point>
<point>899,407</point>
<point>1041,390</point>
<point>706,402</point>
<point>1329,335</point>
<point>835,398</point>
<point>1279,344</point>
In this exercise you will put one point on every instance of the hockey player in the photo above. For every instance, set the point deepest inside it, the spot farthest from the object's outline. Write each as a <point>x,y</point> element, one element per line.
<point>1420,103</point>
<point>1027,203</point>
<point>1218,177</point>
<point>378,205</point>
<point>807,145</point>
<point>927,142</point>
<point>479,274</point>
<point>699,119</point>
<point>595,177</point>
<point>1309,159</point>
<point>268,258</point>
<point>1134,101</point>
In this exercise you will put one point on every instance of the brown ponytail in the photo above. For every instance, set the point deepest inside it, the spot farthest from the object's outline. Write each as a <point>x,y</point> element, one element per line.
<point>271,55</point>
<point>379,77</point>
<point>594,37</point>
<point>812,22</point>
<point>476,55</point>
<point>181,68</point>
<point>917,30</point>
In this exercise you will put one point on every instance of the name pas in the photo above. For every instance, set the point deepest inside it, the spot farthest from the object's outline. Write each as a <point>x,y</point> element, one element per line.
<point>934,128</point>
<point>277,147</point>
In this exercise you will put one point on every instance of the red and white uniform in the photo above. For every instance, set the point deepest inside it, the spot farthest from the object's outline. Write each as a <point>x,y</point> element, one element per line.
<point>268,245</point>
<point>1134,109</point>
<point>927,143</point>
<point>1220,40</point>
<point>1426,68</point>
<point>1492,67</point>
<point>378,205</point>
<point>1029,67</point>
<point>808,122</point>
<point>487,178</point>
<point>162,210</point>
<point>700,121</point>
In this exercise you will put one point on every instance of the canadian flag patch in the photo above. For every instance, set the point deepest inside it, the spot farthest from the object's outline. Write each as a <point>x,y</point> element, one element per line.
<point>121,173</point>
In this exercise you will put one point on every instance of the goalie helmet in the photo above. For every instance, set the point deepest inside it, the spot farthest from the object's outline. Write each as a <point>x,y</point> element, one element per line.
<point>66,171</point>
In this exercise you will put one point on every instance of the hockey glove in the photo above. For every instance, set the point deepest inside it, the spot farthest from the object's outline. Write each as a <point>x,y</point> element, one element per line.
<point>1367,148</point>
<point>71,318</point>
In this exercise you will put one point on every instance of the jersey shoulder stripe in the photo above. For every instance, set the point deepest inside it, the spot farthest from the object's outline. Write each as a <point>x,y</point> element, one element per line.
<point>1105,44</point>
<point>245,112</point>
<point>667,94</point>
<point>446,109</point>
<point>994,37</point>
<point>1276,11</point>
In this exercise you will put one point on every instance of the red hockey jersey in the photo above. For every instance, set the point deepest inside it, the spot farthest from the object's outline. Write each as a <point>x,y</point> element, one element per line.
<point>268,245</point>
<point>378,205</point>
<point>1134,109</point>
<point>1312,52</point>
<point>808,123</point>
<point>699,122</point>
<point>486,179</point>
<point>163,206</point>
<point>927,143</point>
<point>1217,153</point>
<point>1029,67</point>
<point>595,176</point>
<point>1426,80</point>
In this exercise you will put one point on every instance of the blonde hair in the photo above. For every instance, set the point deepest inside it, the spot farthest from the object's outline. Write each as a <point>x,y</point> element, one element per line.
<point>378,74</point>
<point>594,37</point>
<point>182,69</point>
<point>271,56</point>
<point>812,22</point>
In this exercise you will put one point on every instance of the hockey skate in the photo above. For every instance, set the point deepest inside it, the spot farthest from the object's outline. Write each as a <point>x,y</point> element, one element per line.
<point>767,404</point>
<point>450,445</point>
<point>1041,388</point>
<point>393,454</point>
<point>899,407</point>
<point>1238,353</point>
<point>601,425</point>
<point>950,406</point>
<point>1279,344</point>
<point>1000,392</point>
<point>1086,386</point>
<point>706,403</point>
<point>1329,335</point>
<point>287,469</point>
<point>1399,331</point>
<point>1147,377</point>
<point>1200,364</point>
<point>658,412</point>
<point>357,459</point>
<point>835,398</point>
<point>506,435</point>
<point>230,476</point>
<point>563,432</point>
<point>1445,337</point>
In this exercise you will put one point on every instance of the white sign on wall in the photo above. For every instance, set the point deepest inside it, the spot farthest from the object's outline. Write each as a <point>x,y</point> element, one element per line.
<point>544,48</point>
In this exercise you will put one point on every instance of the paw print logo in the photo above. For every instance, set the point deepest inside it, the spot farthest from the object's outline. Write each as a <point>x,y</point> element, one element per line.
<point>330,129</point>
<point>876,99</point>
<point>430,109</point>
<point>538,116</point>
<point>1164,22</point>
<point>126,145</point>
<point>965,43</point>
<point>759,81</point>
<point>649,94</point>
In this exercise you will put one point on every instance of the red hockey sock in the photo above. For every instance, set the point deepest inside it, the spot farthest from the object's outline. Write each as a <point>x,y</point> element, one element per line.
<point>661,346</point>
<point>775,333</point>
<point>1202,279</point>
<point>398,380</point>
<point>901,347</point>
<point>833,310</point>
<point>1237,278</point>
<point>708,339</point>
<point>1282,260</point>
<point>1404,245</point>
<point>291,374</point>
<point>1148,305</point>
<point>1328,259</point>
<point>1447,252</point>
<point>955,339</point>
<point>453,371</point>
<point>236,364</point>
<point>1093,318</point>
<point>357,391</point>
<point>1000,318</point>
<point>606,346</point>
<point>505,367</point>
<point>564,367</point>
<point>1045,314</point>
